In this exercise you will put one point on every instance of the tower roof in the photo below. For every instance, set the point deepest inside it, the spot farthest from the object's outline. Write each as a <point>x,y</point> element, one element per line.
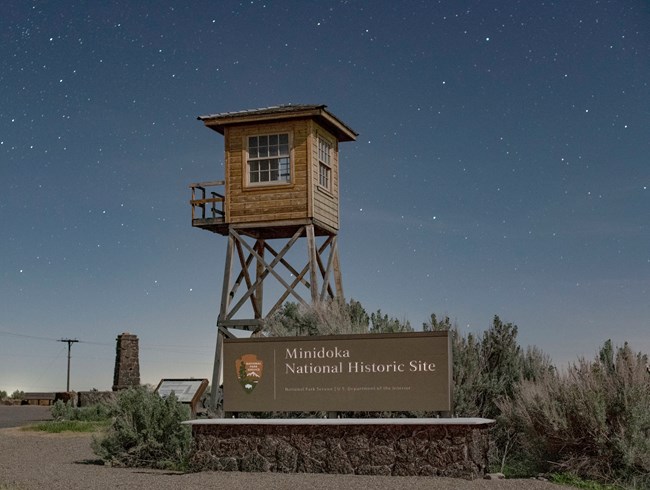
<point>319,113</point>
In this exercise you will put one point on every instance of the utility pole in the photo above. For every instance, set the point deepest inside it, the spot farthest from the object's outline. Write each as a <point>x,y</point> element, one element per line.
<point>70,342</point>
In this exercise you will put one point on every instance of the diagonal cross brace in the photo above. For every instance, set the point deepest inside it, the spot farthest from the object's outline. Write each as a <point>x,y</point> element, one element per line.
<point>268,268</point>
<point>326,273</point>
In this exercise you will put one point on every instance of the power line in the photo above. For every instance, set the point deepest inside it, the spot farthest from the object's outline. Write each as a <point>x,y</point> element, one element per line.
<point>4,332</point>
<point>97,343</point>
<point>154,347</point>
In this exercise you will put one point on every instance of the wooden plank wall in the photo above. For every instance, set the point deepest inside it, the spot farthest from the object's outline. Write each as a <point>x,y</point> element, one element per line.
<point>271,202</point>
<point>326,203</point>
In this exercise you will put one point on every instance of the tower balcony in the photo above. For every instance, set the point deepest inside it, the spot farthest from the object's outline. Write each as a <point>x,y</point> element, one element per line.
<point>263,213</point>
<point>207,204</point>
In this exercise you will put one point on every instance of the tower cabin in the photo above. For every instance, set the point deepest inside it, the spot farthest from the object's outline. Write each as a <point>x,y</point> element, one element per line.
<point>281,173</point>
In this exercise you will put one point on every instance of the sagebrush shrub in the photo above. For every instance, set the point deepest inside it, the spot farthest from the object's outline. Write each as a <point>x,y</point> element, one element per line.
<point>61,410</point>
<point>320,318</point>
<point>593,420</point>
<point>146,432</point>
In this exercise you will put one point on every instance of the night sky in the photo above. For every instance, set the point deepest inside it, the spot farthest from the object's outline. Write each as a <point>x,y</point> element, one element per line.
<point>502,167</point>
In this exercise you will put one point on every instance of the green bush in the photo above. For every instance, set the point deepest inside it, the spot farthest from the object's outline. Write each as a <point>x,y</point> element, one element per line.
<point>61,410</point>
<point>95,413</point>
<point>146,432</point>
<point>592,421</point>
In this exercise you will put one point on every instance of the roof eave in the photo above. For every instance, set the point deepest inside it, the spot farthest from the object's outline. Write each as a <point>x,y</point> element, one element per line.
<point>219,122</point>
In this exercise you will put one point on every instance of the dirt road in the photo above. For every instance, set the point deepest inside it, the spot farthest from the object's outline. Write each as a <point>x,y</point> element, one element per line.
<point>16,415</point>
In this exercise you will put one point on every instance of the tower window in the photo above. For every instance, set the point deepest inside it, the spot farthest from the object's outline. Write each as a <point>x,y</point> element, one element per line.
<point>324,166</point>
<point>269,159</point>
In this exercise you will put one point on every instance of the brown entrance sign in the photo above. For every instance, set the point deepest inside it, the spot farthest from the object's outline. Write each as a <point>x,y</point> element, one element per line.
<point>384,372</point>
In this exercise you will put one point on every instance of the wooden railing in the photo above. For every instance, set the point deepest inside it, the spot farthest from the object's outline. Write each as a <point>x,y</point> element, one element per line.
<point>208,207</point>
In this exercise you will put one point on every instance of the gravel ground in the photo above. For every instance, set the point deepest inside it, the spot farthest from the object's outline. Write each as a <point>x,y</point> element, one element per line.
<point>36,460</point>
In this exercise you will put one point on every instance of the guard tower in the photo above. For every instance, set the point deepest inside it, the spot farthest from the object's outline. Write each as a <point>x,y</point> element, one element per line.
<point>281,184</point>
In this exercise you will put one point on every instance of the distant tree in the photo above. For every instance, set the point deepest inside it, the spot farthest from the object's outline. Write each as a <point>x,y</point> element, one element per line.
<point>18,395</point>
<point>535,364</point>
<point>3,394</point>
<point>434,325</point>
<point>501,365</point>
<point>384,324</point>
<point>606,357</point>
<point>468,374</point>
<point>488,366</point>
<point>467,365</point>
<point>359,319</point>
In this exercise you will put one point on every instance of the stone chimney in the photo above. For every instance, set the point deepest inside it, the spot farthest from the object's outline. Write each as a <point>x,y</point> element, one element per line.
<point>127,362</point>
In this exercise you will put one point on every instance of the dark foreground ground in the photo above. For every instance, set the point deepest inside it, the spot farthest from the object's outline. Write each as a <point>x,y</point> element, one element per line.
<point>35,460</point>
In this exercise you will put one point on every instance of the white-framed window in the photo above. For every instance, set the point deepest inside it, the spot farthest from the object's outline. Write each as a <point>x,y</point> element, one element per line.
<point>324,166</point>
<point>269,160</point>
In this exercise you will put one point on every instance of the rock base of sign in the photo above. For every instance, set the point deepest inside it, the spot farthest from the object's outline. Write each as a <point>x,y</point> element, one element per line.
<point>401,447</point>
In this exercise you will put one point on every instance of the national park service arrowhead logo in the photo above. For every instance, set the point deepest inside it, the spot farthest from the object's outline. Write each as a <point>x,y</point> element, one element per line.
<point>249,371</point>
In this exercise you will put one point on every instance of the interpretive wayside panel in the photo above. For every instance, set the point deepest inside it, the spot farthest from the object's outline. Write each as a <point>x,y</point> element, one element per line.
<point>185,390</point>
<point>410,371</point>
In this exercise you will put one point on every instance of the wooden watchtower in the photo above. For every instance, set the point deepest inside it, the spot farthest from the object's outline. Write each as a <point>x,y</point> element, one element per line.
<point>281,184</point>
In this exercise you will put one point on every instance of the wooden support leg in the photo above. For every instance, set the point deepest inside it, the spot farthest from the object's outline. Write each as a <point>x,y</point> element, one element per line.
<point>313,263</point>
<point>227,271</point>
<point>259,270</point>
<point>216,372</point>
<point>338,281</point>
<point>225,303</point>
